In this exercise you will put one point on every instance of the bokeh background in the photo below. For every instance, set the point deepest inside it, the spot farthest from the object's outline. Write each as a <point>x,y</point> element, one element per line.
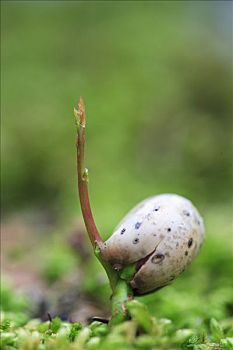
<point>156,79</point>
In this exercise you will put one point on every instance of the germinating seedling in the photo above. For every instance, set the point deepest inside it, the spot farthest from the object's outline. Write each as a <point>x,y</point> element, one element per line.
<point>151,246</point>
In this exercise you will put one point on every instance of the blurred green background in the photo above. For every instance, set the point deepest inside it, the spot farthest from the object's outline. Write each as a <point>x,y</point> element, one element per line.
<point>155,77</point>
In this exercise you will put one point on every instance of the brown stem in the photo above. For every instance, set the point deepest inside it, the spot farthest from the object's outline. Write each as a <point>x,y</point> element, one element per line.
<point>121,290</point>
<point>92,230</point>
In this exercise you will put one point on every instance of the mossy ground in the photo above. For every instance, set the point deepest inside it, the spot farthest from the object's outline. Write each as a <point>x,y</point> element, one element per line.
<point>133,334</point>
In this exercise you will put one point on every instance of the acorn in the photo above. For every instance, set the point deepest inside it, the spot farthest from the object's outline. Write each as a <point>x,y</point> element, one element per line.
<point>159,237</point>
<point>150,247</point>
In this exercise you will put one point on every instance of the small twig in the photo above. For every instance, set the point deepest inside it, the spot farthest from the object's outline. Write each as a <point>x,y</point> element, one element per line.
<point>99,319</point>
<point>92,230</point>
<point>49,317</point>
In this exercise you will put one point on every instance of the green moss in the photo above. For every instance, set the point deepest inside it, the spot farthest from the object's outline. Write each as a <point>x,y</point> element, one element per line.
<point>127,335</point>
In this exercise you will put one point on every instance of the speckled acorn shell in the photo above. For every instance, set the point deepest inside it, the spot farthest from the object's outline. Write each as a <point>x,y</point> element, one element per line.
<point>161,235</point>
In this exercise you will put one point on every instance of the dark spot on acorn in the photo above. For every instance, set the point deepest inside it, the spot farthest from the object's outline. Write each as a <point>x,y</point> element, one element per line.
<point>185,212</point>
<point>169,229</point>
<point>135,241</point>
<point>137,225</point>
<point>158,258</point>
<point>177,244</point>
<point>156,209</point>
<point>190,242</point>
<point>186,253</point>
<point>122,231</point>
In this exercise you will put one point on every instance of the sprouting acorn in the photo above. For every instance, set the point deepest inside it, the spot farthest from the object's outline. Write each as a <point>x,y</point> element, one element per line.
<point>150,247</point>
<point>159,237</point>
